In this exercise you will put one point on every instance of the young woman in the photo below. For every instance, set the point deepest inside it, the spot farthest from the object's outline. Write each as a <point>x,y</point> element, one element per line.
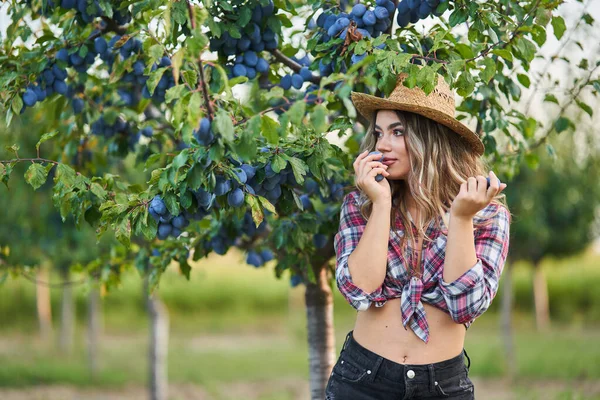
<point>419,253</point>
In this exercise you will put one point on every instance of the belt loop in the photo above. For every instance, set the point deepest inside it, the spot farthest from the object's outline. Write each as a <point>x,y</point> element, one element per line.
<point>431,378</point>
<point>346,341</point>
<point>375,369</point>
<point>468,358</point>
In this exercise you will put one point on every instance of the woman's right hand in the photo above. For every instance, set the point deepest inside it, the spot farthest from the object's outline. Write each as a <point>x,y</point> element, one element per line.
<point>366,168</point>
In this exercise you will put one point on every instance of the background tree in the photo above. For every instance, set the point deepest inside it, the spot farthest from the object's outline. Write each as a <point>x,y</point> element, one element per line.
<point>556,202</point>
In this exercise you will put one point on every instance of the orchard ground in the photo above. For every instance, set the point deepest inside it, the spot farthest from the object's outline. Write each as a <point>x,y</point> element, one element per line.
<point>238,333</point>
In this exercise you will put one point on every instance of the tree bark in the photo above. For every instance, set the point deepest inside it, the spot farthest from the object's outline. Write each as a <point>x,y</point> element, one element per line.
<point>540,295</point>
<point>506,324</point>
<point>44,308</point>
<point>93,333</point>
<point>67,326</point>
<point>159,346</point>
<point>321,339</point>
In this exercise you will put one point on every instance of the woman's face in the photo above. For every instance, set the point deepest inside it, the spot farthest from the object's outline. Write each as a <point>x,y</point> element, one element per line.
<point>390,134</point>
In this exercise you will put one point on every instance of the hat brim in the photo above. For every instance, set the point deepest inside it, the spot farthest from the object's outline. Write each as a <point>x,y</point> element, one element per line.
<point>367,104</point>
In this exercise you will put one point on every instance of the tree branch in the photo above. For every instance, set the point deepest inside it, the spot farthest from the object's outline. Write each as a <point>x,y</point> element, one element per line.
<point>293,64</point>
<point>543,139</point>
<point>203,86</point>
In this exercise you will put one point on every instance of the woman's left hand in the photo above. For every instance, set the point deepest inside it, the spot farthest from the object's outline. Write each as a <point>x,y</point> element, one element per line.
<point>474,195</point>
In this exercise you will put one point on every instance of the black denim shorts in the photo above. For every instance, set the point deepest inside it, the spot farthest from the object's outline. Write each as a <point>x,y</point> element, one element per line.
<point>360,374</point>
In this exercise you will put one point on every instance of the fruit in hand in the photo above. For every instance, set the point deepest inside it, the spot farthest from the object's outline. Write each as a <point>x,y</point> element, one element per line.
<point>379,177</point>
<point>488,182</point>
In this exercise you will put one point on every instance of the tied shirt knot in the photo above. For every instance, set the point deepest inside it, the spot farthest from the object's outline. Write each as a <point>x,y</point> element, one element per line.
<point>412,308</point>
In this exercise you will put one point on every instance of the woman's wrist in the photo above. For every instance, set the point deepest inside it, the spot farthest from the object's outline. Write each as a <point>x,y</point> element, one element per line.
<point>383,203</point>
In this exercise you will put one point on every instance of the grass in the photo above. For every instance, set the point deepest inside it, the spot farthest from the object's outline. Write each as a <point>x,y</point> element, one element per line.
<point>234,323</point>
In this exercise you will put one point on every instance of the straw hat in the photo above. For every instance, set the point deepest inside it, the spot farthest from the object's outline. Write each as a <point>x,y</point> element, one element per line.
<point>438,106</point>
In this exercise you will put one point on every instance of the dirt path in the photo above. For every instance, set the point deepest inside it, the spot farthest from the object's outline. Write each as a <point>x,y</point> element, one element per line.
<point>292,389</point>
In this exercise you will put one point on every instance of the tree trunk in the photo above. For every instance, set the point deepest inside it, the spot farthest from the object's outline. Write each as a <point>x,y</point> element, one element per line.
<point>321,339</point>
<point>159,347</point>
<point>44,308</point>
<point>506,324</point>
<point>540,295</point>
<point>93,333</point>
<point>67,316</point>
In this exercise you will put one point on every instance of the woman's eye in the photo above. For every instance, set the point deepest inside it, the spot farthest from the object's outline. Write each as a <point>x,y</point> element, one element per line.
<point>401,132</point>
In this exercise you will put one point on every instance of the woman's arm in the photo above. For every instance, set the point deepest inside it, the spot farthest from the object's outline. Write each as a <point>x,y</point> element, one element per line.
<point>361,248</point>
<point>368,262</point>
<point>468,285</point>
<point>460,249</point>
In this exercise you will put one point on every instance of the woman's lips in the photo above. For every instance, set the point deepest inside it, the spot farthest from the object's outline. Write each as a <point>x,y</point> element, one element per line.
<point>389,162</point>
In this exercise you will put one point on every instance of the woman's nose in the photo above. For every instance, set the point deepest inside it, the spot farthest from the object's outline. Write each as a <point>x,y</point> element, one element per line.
<point>383,145</point>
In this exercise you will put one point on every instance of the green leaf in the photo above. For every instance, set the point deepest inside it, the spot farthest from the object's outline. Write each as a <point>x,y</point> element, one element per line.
<point>65,175</point>
<point>172,203</point>
<point>459,15</point>
<point>532,160</point>
<point>150,227</point>
<point>154,78</point>
<point>246,148</point>
<point>269,129</point>
<point>506,54</point>
<point>561,124</point>
<point>558,25</point>
<point>14,148</point>
<point>36,175</point>
<point>181,159</point>
<point>426,79</point>
<point>194,177</point>
<point>296,112</point>
<point>526,48</point>
<point>245,13</point>
<point>156,51</point>
<point>174,93</point>
<point>489,71</point>
<point>223,125</point>
<point>98,191</point>
<point>5,171</point>
<point>45,137</point>
<point>464,50</point>
<point>278,163</point>
<point>190,77</point>
<point>318,117</point>
<point>465,84</point>
<point>551,98</point>
<point>585,107</point>
<point>184,267</point>
<point>267,204</point>
<point>299,168</point>
<point>195,45</point>
<point>17,104</point>
<point>524,80</point>
<point>455,67</point>
<point>257,214</point>
<point>123,232</point>
<point>186,199</point>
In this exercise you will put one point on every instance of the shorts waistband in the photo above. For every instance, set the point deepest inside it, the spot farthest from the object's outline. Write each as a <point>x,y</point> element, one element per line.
<point>393,370</point>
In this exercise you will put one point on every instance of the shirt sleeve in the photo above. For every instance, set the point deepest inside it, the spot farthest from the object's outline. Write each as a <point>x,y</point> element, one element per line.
<point>471,294</point>
<point>352,226</point>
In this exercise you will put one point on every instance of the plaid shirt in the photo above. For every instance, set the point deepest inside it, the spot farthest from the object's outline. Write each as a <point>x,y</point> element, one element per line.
<point>464,299</point>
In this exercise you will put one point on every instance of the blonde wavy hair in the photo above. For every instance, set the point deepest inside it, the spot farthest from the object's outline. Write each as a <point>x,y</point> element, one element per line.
<point>440,162</point>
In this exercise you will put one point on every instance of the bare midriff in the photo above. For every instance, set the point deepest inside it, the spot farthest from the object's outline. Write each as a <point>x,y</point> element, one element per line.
<point>380,330</point>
